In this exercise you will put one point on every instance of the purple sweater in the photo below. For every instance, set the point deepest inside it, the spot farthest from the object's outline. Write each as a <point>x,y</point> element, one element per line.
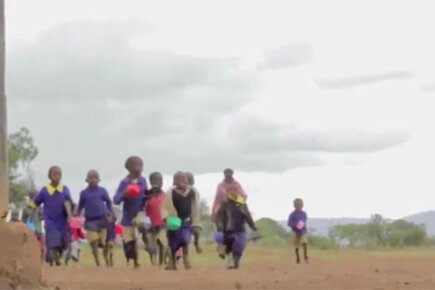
<point>55,216</point>
<point>92,200</point>
<point>130,206</point>
<point>294,218</point>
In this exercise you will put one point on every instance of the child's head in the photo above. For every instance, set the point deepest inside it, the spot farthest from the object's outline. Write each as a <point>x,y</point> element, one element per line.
<point>180,180</point>
<point>156,180</point>
<point>298,203</point>
<point>190,178</point>
<point>228,174</point>
<point>55,174</point>
<point>134,165</point>
<point>93,178</point>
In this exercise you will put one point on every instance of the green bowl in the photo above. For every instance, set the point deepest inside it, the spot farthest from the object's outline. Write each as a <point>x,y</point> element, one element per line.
<point>173,223</point>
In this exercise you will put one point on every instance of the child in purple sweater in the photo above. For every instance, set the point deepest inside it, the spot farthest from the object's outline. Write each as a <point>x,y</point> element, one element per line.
<point>297,221</point>
<point>132,204</point>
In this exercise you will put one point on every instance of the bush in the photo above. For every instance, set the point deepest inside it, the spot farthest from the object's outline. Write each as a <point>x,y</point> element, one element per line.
<point>322,243</point>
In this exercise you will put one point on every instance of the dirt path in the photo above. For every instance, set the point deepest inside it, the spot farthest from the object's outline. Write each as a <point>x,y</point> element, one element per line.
<point>347,272</point>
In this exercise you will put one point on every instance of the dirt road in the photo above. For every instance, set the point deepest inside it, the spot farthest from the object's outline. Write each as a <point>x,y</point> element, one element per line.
<point>268,270</point>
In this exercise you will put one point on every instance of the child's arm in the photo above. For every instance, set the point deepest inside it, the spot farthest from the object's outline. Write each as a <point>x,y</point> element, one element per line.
<point>221,218</point>
<point>68,202</point>
<point>119,195</point>
<point>106,198</point>
<point>39,199</point>
<point>292,221</point>
<point>248,217</point>
<point>81,204</point>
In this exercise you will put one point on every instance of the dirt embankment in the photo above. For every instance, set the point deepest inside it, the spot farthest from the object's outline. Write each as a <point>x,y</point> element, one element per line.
<point>20,260</point>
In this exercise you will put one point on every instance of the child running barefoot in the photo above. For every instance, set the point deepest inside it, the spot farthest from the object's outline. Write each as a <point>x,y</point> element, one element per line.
<point>94,200</point>
<point>56,199</point>
<point>196,231</point>
<point>131,193</point>
<point>110,239</point>
<point>297,221</point>
<point>157,236</point>
<point>181,203</point>
<point>231,218</point>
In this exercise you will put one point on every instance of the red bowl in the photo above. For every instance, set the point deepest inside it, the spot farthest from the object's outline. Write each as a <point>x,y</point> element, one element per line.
<point>133,190</point>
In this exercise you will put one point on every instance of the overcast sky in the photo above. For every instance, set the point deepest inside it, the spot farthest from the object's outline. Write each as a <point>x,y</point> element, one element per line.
<point>331,101</point>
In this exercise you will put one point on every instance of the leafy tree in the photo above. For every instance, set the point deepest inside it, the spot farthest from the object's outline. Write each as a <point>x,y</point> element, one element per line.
<point>22,151</point>
<point>379,232</point>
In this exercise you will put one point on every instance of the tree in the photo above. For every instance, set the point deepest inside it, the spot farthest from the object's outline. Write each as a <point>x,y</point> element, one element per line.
<point>22,151</point>
<point>204,209</point>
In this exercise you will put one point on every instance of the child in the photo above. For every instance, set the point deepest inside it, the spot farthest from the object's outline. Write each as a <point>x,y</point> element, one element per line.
<point>157,237</point>
<point>191,182</point>
<point>94,200</point>
<point>57,200</point>
<point>297,221</point>
<point>230,219</point>
<point>182,202</point>
<point>228,186</point>
<point>131,193</point>
<point>77,233</point>
<point>110,239</point>
<point>33,219</point>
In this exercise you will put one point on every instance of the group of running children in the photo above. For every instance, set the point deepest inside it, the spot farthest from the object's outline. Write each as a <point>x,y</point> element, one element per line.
<point>166,221</point>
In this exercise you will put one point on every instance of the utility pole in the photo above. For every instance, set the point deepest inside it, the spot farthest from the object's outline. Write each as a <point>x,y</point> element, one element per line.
<point>4,175</point>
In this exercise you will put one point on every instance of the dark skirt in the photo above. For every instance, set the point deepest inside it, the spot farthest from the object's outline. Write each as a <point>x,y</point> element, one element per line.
<point>181,237</point>
<point>235,242</point>
<point>96,224</point>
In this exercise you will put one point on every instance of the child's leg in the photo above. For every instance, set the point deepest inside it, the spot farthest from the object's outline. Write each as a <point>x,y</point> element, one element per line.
<point>305,247</point>
<point>298,259</point>
<point>162,242</point>
<point>55,256</point>
<point>111,255</point>
<point>135,253</point>
<point>106,254</point>
<point>186,259</point>
<point>172,264</point>
<point>94,247</point>
<point>239,245</point>
<point>196,233</point>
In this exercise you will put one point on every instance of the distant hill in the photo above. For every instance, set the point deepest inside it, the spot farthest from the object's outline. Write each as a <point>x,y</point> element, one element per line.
<point>321,226</point>
<point>426,218</point>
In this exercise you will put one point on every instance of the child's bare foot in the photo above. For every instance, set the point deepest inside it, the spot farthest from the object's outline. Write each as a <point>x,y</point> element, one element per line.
<point>136,265</point>
<point>306,260</point>
<point>198,249</point>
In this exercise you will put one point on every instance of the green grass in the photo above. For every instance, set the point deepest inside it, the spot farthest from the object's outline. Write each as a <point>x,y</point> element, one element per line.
<point>255,253</point>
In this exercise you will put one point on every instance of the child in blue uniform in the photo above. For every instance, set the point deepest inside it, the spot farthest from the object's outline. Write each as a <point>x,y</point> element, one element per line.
<point>131,206</point>
<point>57,202</point>
<point>297,221</point>
<point>95,200</point>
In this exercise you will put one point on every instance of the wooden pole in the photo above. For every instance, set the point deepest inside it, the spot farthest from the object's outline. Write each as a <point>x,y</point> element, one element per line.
<point>4,175</point>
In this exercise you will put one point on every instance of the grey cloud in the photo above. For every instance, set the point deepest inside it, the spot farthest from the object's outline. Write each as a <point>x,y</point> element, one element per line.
<point>289,56</point>
<point>82,61</point>
<point>341,83</point>
<point>94,101</point>
<point>263,137</point>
